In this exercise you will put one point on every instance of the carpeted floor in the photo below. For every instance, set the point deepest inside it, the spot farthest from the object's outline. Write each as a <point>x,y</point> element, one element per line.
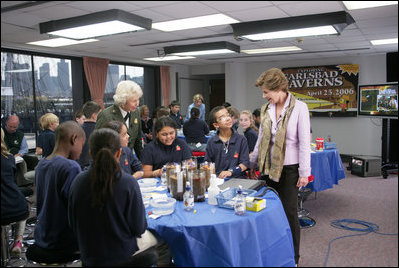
<point>369,199</point>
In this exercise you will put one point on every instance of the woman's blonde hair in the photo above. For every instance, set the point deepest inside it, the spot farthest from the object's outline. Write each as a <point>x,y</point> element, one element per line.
<point>125,90</point>
<point>273,79</point>
<point>47,119</point>
<point>198,97</point>
<point>4,150</point>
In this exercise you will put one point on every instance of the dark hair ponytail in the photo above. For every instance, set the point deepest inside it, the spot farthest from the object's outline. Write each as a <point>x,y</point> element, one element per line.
<point>104,143</point>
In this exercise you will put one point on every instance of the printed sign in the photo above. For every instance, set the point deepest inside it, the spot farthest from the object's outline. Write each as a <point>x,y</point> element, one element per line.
<point>327,90</point>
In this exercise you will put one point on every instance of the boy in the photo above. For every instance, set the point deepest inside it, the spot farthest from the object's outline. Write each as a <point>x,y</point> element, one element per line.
<point>46,140</point>
<point>53,178</point>
<point>91,109</point>
<point>227,149</point>
<point>175,113</point>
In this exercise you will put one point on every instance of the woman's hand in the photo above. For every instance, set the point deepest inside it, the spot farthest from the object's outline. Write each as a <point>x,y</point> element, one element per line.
<point>302,182</point>
<point>252,174</point>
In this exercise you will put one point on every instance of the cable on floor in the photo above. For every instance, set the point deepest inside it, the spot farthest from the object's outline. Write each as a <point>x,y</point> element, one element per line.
<point>368,227</point>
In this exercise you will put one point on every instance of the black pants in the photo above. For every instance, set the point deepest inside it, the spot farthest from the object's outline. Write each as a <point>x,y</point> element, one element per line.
<point>288,192</point>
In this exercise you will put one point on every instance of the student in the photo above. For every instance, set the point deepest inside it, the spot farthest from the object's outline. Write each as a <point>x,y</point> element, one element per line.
<point>106,210</point>
<point>175,113</point>
<point>46,140</point>
<point>256,114</point>
<point>195,130</point>
<point>146,123</point>
<point>235,116</point>
<point>53,177</point>
<point>91,109</point>
<point>13,202</point>
<point>247,124</point>
<point>80,117</point>
<point>128,161</point>
<point>227,149</point>
<point>164,148</point>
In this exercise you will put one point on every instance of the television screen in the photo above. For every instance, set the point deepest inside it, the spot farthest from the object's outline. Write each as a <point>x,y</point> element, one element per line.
<point>378,100</point>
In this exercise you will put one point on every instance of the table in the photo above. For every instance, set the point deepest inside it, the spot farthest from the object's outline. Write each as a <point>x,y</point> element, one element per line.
<point>327,170</point>
<point>214,236</point>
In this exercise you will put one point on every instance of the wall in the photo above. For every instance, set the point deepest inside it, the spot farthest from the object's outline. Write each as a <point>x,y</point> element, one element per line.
<point>353,135</point>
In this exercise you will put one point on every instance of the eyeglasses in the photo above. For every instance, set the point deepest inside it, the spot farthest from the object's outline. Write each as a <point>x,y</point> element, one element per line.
<point>224,117</point>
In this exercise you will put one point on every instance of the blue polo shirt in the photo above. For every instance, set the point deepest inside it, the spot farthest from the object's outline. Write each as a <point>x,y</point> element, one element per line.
<point>252,137</point>
<point>195,130</point>
<point>237,152</point>
<point>129,162</point>
<point>157,154</point>
<point>46,141</point>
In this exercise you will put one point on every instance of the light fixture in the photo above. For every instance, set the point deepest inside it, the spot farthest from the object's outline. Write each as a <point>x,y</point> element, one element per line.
<point>270,50</point>
<point>168,58</point>
<point>384,41</point>
<point>59,42</point>
<point>351,5</point>
<point>97,24</point>
<point>191,23</point>
<point>308,25</point>
<point>202,49</point>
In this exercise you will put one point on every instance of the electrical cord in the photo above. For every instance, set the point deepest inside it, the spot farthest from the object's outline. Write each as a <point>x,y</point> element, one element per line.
<point>344,224</point>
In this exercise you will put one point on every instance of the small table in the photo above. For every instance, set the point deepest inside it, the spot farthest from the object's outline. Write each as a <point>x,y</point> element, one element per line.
<point>327,170</point>
<point>213,236</point>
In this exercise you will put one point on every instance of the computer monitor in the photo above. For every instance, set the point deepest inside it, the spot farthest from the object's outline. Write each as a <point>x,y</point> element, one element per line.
<point>380,100</point>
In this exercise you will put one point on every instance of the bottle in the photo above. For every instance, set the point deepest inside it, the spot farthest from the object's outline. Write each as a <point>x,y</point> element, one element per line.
<point>213,190</point>
<point>239,204</point>
<point>163,176</point>
<point>188,198</point>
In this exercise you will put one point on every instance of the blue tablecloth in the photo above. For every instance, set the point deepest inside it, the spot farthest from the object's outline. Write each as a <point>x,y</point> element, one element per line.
<point>214,236</point>
<point>327,170</point>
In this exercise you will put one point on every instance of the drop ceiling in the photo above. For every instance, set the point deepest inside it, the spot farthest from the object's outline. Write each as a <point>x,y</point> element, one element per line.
<point>20,24</point>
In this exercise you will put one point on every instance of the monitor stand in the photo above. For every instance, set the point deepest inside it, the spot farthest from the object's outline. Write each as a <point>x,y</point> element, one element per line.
<point>389,147</point>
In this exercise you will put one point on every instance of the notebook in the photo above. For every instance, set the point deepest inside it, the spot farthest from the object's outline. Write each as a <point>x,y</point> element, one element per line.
<point>245,183</point>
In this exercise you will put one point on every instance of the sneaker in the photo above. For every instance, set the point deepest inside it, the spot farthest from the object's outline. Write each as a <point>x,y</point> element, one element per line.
<point>16,249</point>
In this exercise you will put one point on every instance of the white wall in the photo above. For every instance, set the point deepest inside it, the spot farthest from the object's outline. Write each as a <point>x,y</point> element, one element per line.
<point>353,135</point>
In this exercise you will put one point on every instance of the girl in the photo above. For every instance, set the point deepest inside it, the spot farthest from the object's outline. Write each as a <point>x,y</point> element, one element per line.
<point>46,140</point>
<point>128,161</point>
<point>247,124</point>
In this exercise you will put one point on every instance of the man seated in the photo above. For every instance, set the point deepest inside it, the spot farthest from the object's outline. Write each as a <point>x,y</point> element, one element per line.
<point>14,138</point>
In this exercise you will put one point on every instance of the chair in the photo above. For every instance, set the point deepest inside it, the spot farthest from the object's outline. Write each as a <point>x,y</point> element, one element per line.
<point>199,156</point>
<point>5,240</point>
<point>146,258</point>
<point>303,214</point>
<point>38,255</point>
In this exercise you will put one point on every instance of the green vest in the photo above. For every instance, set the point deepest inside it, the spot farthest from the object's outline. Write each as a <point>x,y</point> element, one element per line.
<point>13,141</point>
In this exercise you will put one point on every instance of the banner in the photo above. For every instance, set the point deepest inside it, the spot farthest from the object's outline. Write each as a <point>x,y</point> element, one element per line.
<point>329,90</point>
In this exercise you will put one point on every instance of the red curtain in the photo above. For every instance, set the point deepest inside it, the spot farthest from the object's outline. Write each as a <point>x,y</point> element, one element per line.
<point>165,84</point>
<point>96,76</point>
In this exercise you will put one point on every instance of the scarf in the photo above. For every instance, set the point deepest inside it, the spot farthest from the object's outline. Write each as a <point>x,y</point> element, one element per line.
<point>274,166</point>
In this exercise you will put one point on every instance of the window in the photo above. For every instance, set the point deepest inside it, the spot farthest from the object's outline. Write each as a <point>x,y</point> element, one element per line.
<point>51,91</point>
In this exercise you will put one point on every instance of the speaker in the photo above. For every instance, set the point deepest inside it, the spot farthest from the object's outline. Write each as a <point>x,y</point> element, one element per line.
<point>392,66</point>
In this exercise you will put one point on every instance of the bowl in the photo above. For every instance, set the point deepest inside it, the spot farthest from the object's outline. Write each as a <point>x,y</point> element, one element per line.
<point>147,182</point>
<point>163,206</point>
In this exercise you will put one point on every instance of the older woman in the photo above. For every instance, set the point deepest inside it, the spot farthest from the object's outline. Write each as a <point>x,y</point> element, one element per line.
<point>282,151</point>
<point>198,101</point>
<point>126,100</point>
<point>164,148</point>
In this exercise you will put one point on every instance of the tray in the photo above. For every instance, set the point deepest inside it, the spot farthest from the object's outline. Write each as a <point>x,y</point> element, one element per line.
<point>226,199</point>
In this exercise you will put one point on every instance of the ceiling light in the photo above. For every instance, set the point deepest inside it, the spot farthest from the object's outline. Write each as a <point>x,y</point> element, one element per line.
<point>196,22</point>
<point>308,25</point>
<point>350,5</point>
<point>59,42</point>
<point>271,50</point>
<point>167,58</point>
<point>97,24</point>
<point>384,41</point>
<point>202,49</point>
